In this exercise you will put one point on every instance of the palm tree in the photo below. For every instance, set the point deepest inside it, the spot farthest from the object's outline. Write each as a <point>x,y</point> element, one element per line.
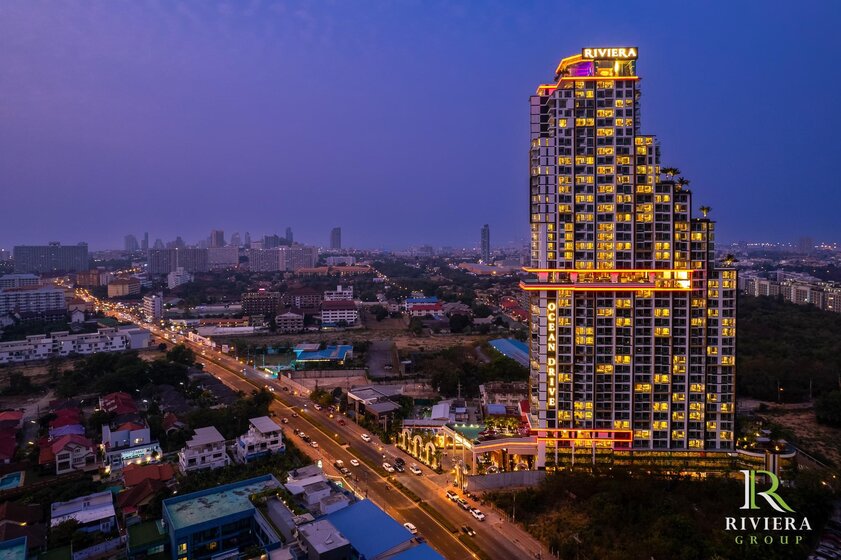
<point>670,171</point>
<point>705,210</point>
<point>681,182</point>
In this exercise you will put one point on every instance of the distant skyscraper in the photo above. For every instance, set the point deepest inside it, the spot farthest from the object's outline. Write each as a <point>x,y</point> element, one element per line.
<point>271,241</point>
<point>247,240</point>
<point>52,258</point>
<point>633,324</point>
<point>159,244</point>
<point>805,245</point>
<point>336,238</point>
<point>289,236</point>
<point>144,246</point>
<point>235,240</point>
<point>217,238</point>
<point>130,243</point>
<point>486,243</point>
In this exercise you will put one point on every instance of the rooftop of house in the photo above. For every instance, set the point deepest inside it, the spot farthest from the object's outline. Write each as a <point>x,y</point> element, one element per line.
<point>200,507</point>
<point>205,436</point>
<point>264,424</point>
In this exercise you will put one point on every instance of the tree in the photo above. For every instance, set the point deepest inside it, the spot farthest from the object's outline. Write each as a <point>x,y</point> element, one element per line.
<point>681,182</point>
<point>162,347</point>
<point>705,210</point>
<point>379,312</point>
<point>180,354</point>
<point>459,322</point>
<point>670,171</point>
<point>416,325</point>
<point>828,408</point>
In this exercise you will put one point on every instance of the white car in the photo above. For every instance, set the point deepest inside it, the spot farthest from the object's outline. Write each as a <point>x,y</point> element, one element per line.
<point>388,467</point>
<point>477,514</point>
<point>366,437</point>
<point>411,528</point>
<point>354,462</point>
<point>314,444</point>
<point>414,469</point>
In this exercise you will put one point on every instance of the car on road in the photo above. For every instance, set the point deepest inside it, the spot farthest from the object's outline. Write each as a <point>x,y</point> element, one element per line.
<point>366,437</point>
<point>284,420</point>
<point>477,514</point>
<point>354,462</point>
<point>294,415</point>
<point>399,468</point>
<point>462,503</point>
<point>317,406</point>
<point>399,461</point>
<point>411,528</point>
<point>388,467</point>
<point>342,422</point>
<point>339,464</point>
<point>414,469</point>
<point>452,495</point>
<point>314,444</point>
<point>468,531</point>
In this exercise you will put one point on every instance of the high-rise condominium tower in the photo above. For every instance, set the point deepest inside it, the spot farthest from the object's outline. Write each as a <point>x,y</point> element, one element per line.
<point>336,238</point>
<point>633,323</point>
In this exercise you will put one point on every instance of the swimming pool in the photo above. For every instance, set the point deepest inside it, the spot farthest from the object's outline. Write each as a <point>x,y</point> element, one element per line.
<point>11,480</point>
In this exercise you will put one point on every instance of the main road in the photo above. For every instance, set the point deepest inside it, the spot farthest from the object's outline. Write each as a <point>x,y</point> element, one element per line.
<point>497,537</point>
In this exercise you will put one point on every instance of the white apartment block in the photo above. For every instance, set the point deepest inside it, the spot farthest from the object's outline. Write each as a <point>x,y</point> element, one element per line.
<point>264,437</point>
<point>62,344</point>
<point>94,512</point>
<point>341,293</point>
<point>19,281</point>
<point>633,323</point>
<point>333,312</point>
<point>178,277</point>
<point>153,308</point>
<point>31,299</point>
<point>205,450</point>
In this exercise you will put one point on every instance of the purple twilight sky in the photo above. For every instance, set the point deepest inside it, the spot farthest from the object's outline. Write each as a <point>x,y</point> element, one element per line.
<point>403,122</point>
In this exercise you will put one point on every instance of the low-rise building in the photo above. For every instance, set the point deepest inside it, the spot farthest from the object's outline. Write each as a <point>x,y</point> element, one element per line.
<point>128,440</point>
<point>19,281</point>
<point>32,299</point>
<point>219,522</point>
<point>261,302</point>
<point>123,287</point>
<point>68,453</point>
<point>178,277</point>
<point>434,310</point>
<point>302,298</point>
<point>93,513</point>
<point>290,322</point>
<point>337,313</point>
<point>62,344</point>
<point>205,450</point>
<point>264,437</point>
<point>341,293</point>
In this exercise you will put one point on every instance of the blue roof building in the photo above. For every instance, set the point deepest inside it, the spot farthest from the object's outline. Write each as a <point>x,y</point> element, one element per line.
<point>372,532</point>
<point>330,354</point>
<point>219,520</point>
<point>512,348</point>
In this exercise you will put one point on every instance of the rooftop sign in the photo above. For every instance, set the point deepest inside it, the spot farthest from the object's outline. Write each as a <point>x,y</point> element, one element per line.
<point>612,52</point>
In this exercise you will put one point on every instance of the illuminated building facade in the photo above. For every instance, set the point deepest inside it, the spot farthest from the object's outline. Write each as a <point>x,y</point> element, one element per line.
<point>633,324</point>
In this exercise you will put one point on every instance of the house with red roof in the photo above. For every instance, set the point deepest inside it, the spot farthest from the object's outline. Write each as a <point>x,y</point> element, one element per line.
<point>68,453</point>
<point>127,440</point>
<point>118,403</point>
<point>137,474</point>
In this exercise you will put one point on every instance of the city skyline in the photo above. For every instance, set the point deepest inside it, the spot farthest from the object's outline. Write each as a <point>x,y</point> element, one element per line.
<point>140,125</point>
